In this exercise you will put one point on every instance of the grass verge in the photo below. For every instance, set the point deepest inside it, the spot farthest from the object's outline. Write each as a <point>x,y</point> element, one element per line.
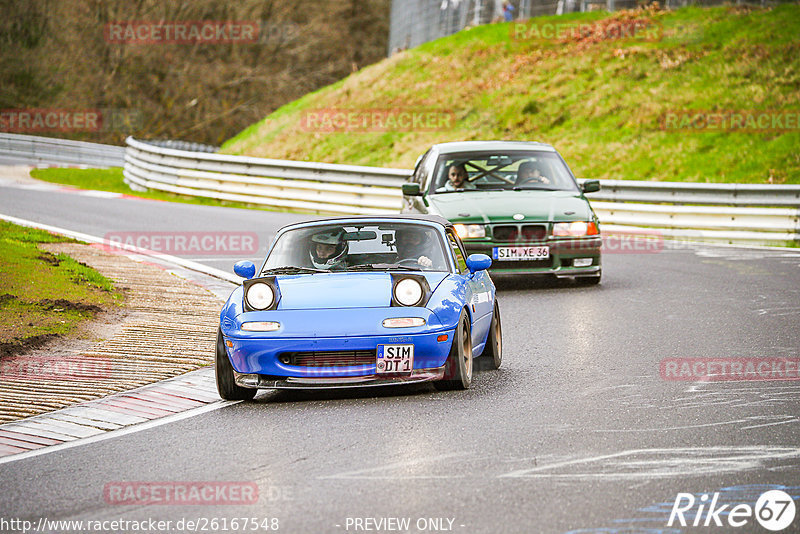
<point>43,295</point>
<point>112,180</point>
<point>602,100</point>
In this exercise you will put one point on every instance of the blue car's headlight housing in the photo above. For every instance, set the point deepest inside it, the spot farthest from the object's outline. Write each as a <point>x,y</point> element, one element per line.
<point>261,294</point>
<point>410,290</point>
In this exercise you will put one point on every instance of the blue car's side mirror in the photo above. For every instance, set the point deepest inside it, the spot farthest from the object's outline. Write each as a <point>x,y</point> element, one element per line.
<point>478,262</point>
<point>245,269</point>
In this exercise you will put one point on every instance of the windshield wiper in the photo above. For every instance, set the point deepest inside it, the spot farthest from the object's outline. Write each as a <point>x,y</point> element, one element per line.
<point>293,270</point>
<point>381,267</point>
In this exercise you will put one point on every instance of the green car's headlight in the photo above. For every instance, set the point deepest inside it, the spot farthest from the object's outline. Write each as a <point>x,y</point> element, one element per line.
<point>575,229</point>
<point>470,231</point>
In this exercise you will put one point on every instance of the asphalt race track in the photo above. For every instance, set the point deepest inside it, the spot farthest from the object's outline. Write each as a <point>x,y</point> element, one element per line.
<point>585,428</point>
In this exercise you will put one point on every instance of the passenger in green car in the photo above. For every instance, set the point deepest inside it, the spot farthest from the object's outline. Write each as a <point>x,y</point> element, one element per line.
<point>528,174</point>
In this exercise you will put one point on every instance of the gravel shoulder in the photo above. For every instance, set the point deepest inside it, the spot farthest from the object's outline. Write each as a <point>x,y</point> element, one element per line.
<point>166,328</point>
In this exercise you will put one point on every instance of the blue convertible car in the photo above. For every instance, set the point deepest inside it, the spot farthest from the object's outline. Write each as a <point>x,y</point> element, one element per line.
<point>359,301</point>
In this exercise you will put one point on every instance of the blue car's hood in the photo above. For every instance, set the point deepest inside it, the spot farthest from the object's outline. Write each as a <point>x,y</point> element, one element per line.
<point>341,290</point>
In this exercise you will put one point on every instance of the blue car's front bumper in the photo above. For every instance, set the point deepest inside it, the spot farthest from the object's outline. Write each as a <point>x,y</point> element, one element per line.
<point>261,359</point>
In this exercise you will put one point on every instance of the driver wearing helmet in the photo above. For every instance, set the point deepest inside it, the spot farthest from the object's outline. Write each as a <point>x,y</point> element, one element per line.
<point>414,244</point>
<point>328,249</point>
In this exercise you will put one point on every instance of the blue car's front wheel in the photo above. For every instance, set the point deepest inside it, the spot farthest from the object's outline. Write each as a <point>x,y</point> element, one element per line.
<point>226,386</point>
<point>458,368</point>
<point>493,352</point>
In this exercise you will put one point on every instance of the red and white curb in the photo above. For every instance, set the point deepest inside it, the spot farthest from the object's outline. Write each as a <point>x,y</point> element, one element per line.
<point>155,404</point>
<point>159,403</point>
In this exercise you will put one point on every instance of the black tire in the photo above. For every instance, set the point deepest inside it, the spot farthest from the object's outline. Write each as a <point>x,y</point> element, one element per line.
<point>458,368</point>
<point>492,355</point>
<point>223,370</point>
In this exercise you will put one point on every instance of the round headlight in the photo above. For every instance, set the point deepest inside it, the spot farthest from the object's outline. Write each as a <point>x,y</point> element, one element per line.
<point>260,296</point>
<point>408,292</point>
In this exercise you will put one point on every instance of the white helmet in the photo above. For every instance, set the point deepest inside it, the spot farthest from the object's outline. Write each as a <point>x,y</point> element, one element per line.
<point>332,238</point>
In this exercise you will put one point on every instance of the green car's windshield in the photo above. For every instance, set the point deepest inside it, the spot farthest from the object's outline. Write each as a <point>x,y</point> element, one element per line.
<point>500,170</point>
<point>365,247</point>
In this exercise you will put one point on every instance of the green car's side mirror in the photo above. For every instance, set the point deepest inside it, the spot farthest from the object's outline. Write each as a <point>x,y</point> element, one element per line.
<point>411,190</point>
<point>590,186</point>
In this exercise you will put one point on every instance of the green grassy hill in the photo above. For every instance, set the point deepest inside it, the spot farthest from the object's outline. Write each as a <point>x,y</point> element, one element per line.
<point>601,100</point>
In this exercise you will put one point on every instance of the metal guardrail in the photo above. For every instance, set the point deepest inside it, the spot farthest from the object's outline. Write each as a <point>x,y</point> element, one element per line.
<point>701,211</point>
<point>182,145</point>
<point>734,213</point>
<point>315,187</point>
<point>35,150</point>
<point>699,193</point>
<point>670,209</point>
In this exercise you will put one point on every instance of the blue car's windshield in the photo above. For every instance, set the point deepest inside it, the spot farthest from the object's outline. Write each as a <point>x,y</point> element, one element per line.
<point>500,170</point>
<point>367,247</point>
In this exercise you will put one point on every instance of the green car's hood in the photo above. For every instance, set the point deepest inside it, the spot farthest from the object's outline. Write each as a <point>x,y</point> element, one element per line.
<point>501,206</point>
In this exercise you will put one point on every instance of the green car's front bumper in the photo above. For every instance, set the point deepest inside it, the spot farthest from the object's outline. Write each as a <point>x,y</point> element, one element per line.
<point>561,260</point>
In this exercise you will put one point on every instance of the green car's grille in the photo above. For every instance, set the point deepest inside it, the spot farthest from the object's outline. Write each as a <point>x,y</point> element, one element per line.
<point>524,233</point>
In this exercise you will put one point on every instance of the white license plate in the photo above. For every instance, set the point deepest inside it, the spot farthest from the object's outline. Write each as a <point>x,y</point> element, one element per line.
<point>520,253</point>
<point>394,359</point>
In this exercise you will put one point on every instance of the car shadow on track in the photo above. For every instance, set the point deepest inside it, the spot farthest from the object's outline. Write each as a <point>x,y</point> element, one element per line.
<point>481,376</point>
<point>290,395</point>
<point>536,282</point>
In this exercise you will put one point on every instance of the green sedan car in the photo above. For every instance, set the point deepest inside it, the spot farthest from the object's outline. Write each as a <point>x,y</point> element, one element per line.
<point>517,202</point>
